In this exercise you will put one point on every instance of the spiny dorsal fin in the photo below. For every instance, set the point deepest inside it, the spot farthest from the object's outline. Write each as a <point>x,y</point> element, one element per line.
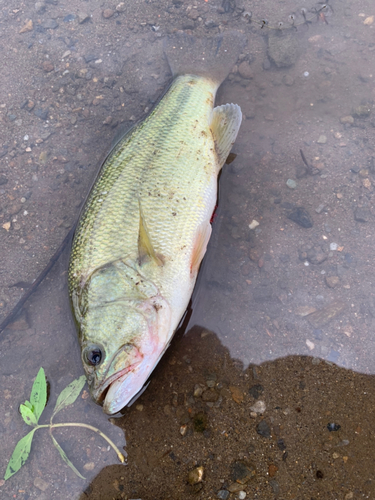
<point>226,121</point>
<point>145,249</point>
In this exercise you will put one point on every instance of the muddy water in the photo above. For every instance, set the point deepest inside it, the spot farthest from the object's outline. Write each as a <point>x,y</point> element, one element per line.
<point>268,390</point>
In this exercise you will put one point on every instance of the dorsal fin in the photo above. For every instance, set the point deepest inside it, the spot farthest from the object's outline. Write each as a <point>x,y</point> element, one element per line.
<point>225,123</point>
<point>145,249</point>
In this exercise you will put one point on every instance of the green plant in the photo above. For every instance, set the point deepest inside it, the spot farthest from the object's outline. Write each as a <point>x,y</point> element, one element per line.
<point>31,412</point>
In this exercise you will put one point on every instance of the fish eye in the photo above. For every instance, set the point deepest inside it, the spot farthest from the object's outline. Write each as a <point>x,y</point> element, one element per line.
<point>93,355</point>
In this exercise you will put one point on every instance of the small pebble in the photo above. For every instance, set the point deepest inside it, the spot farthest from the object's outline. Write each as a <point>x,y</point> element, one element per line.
<point>223,494</point>
<point>89,466</point>
<point>263,429</point>
<point>107,13</point>
<point>259,407</point>
<point>242,495</point>
<point>253,224</point>
<point>347,120</point>
<point>320,208</point>
<point>291,184</point>
<point>196,475</point>
<point>333,246</point>
<point>332,281</point>
<point>322,139</point>
<point>310,344</point>
<point>40,483</point>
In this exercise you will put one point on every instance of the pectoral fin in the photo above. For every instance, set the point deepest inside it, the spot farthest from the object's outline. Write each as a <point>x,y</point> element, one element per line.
<point>145,249</point>
<point>226,121</point>
<point>200,246</point>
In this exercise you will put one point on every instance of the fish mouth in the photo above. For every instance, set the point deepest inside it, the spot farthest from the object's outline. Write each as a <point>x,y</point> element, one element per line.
<point>100,392</point>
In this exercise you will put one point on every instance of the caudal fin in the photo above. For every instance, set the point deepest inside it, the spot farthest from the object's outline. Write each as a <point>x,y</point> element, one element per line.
<point>212,57</point>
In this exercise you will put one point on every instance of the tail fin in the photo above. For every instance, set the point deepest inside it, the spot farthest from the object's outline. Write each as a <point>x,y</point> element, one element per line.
<point>210,57</point>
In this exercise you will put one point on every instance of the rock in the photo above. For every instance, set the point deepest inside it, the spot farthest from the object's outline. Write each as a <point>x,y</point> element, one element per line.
<point>242,472</point>
<point>362,214</point>
<point>14,208</point>
<point>223,494</point>
<point>301,216</point>
<point>275,487</point>
<point>69,18</point>
<point>259,407</point>
<point>281,444</point>
<point>3,180</point>
<point>211,24</point>
<point>195,476</point>
<point>193,14</point>
<point>322,139</point>
<point>48,66</point>
<point>320,318</point>
<point>332,427</point>
<point>41,113</point>
<point>82,17</point>
<point>28,26</point>
<point>210,395</point>
<point>291,184</point>
<point>89,466</point>
<point>40,483</point>
<point>50,24</point>
<point>245,71</point>
<point>237,394</point>
<point>347,120</point>
<point>315,255</point>
<point>235,487</point>
<point>121,7</point>
<point>288,80</point>
<point>263,429</point>
<point>40,7</point>
<point>200,422</point>
<point>361,111</point>
<point>241,495</point>
<point>198,390</point>
<point>256,391</point>
<point>272,469</point>
<point>332,281</point>
<point>107,13</point>
<point>310,345</point>
<point>304,310</point>
<point>283,48</point>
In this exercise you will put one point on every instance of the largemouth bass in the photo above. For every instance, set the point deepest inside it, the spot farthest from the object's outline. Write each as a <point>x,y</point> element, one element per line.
<point>145,226</point>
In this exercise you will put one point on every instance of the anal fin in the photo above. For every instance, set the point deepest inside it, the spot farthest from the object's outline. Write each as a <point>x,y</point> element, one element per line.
<point>225,124</point>
<point>200,246</point>
<point>145,249</point>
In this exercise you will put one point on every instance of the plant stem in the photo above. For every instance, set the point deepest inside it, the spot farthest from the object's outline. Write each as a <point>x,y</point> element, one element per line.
<point>87,426</point>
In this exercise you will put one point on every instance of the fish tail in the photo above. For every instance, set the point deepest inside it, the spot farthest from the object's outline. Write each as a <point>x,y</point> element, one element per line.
<point>212,57</point>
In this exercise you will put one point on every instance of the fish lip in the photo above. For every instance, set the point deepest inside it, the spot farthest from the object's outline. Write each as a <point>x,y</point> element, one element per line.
<point>98,393</point>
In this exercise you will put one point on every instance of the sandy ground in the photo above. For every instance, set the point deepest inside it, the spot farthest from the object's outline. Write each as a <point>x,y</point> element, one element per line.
<point>283,314</point>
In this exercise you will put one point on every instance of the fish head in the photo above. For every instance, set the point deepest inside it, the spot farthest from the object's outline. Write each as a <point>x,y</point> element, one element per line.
<point>122,339</point>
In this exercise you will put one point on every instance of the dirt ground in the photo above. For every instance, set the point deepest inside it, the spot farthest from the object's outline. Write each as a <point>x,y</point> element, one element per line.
<point>267,391</point>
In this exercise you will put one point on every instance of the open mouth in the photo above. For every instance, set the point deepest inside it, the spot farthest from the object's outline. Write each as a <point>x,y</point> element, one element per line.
<point>102,391</point>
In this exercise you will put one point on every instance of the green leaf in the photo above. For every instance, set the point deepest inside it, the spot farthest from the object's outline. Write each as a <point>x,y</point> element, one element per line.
<point>65,458</point>
<point>38,397</point>
<point>28,415</point>
<point>69,394</point>
<point>19,455</point>
<point>29,405</point>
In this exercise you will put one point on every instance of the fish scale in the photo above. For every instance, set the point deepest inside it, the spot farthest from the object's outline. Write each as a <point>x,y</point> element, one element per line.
<point>108,229</point>
<point>145,226</point>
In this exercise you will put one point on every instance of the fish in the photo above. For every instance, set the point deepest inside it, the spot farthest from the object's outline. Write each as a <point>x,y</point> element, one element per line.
<point>144,228</point>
